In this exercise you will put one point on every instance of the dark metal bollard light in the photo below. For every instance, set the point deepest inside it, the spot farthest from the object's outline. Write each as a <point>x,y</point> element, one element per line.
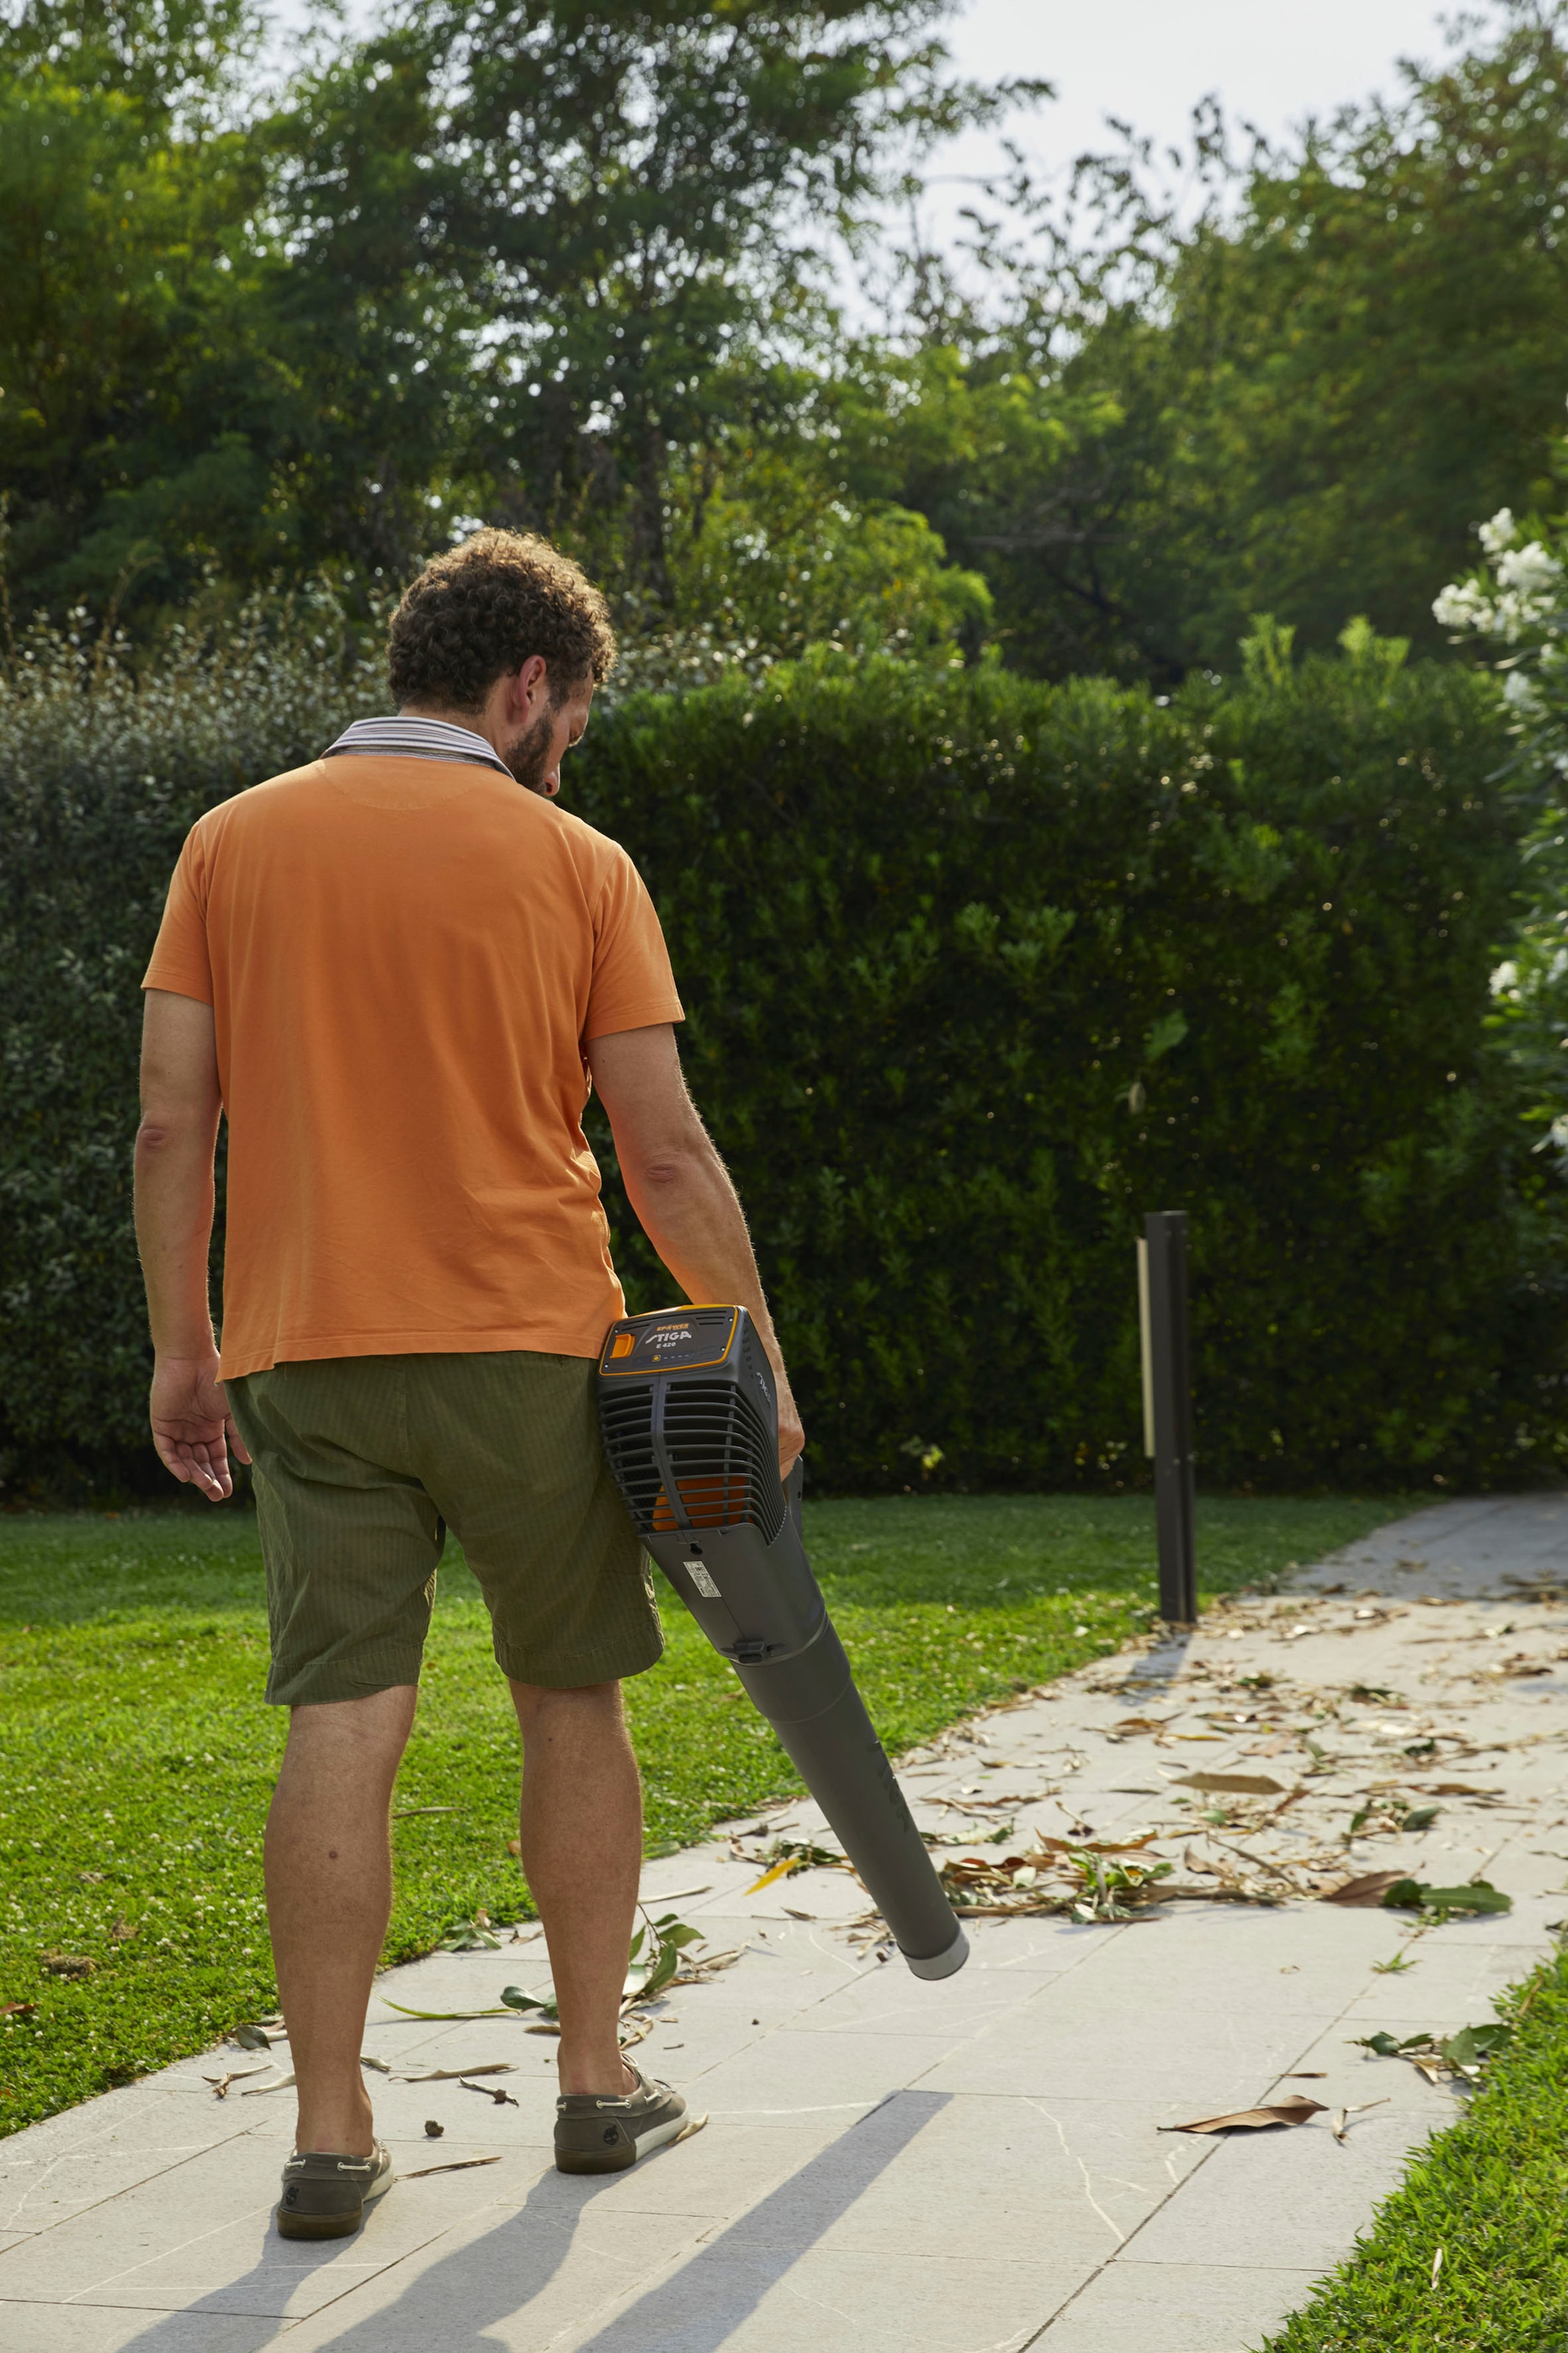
<point>690,1420</point>
<point>1168,1406</point>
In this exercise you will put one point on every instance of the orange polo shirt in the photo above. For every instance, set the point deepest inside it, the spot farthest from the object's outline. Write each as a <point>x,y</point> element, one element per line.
<point>405,958</point>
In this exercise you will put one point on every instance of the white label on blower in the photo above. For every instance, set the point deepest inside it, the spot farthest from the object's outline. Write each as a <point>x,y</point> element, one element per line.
<point>701,1578</point>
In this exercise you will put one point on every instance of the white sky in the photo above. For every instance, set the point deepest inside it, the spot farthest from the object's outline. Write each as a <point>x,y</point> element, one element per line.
<point>1151,59</point>
<point>1150,62</point>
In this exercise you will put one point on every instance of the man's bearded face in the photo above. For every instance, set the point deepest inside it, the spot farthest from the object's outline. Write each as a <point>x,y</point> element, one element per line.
<point>529,757</point>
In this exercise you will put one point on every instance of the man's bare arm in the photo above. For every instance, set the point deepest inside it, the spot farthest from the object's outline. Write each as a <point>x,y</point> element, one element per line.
<point>681,1191</point>
<point>174,1147</point>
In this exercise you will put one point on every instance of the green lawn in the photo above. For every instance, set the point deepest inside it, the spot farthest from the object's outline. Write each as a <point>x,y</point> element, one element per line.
<point>1489,2194</point>
<point>136,1755</point>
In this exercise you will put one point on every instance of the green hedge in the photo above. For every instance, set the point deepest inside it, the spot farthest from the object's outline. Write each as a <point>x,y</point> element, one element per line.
<point>977,971</point>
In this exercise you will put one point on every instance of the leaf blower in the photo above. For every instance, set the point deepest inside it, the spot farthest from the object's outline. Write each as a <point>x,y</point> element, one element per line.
<point>689,1415</point>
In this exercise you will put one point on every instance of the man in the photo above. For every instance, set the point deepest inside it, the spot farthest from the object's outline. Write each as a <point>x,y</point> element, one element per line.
<point>394,970</point>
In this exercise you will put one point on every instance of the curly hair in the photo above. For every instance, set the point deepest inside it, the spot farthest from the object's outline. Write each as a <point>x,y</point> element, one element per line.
<point>481,610</point>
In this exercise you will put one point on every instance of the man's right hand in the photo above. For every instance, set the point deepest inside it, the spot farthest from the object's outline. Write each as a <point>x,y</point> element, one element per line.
<point>792,1436</point>
<point>193,1429</point>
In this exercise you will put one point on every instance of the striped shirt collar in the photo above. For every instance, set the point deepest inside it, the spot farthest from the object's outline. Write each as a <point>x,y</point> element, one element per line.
<point>417,739</point>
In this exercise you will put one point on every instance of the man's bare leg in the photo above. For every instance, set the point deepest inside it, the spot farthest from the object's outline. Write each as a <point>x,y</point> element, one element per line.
<point>582,1851</point>
<point>329,1898</point>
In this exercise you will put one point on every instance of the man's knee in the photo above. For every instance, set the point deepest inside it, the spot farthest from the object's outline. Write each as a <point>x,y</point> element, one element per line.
<point>537,1704</point>
<point>376,1726</point>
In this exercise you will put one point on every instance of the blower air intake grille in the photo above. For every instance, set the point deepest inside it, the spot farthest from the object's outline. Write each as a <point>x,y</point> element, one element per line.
<point>725,1465</point>
<point>625,1416</point>
<point>714,1452</point>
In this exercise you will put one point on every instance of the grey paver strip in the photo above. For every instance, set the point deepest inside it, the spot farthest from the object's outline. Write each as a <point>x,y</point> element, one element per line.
<point>975,2163</point>
<point>72,2329</point>
<point>1184,2307</point>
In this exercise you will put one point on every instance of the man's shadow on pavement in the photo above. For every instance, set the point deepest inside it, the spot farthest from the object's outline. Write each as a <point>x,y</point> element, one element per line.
<point>461,2298</point>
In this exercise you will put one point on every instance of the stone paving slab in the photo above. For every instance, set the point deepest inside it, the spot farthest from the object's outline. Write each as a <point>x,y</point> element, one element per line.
<point>1184,2307</point>
<point>976,2166</point>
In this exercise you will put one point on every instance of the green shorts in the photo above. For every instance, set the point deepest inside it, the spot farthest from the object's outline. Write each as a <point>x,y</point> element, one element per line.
<point>363,1463</point>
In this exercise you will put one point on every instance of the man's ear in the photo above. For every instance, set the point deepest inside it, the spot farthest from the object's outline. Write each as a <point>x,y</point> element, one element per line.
<point>531,687</point>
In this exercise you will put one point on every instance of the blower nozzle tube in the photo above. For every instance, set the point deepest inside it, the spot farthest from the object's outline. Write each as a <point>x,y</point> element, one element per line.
<point>690,1422</point>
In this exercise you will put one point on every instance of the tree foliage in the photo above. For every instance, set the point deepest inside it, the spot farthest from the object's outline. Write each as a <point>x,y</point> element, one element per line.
<point>1149,425</point>
<point>550,263</point>
<point>580,267</point>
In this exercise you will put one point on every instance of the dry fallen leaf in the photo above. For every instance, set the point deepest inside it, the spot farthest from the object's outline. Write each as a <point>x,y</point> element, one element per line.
<point>1091,1846</point>
<point>1370,1888</point>
<point>220,2084</point>
<point>458,2165</point>
<point>1240,1785</point>
<point>455,2075</point>
<point>1342,2117</point>
<point>1294,2109</point>
<point>780,1871</point>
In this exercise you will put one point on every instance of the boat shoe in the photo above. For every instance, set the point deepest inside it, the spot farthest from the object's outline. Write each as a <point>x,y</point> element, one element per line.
<point>324,2197</point>
<point>596,2135</point>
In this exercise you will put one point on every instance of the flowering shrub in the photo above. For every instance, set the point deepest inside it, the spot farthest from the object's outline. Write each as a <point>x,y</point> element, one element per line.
<point>1518,600</point>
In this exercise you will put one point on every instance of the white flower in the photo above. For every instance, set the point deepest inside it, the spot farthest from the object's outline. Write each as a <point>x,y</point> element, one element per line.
<point>1498,533</point>
<point>1505,977</point>
<point>1516,613</point>
<point>1519,693</point>
<point>1530,569</point>
<point>1463,605</point>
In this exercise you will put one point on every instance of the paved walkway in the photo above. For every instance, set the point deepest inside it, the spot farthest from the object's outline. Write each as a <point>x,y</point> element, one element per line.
<point>972,2167</point>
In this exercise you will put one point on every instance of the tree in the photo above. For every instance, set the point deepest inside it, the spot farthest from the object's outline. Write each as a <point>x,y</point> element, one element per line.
<point>134,385</point>
<point>552,263</point>
<point>136,414</point>
<point>177,61</point>
<point>1376,356</point>
<point>1302,402</point>
<point>639,202</point>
